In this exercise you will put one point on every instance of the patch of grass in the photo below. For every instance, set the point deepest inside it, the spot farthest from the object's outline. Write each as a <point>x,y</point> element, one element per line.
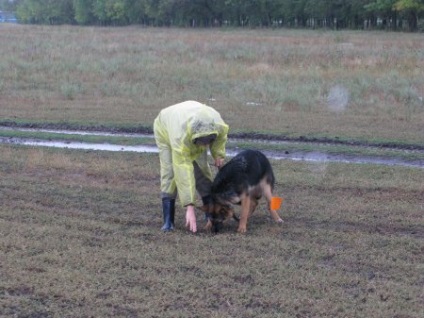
<point>259,80</point>
<point>70,90</point>
<point>119,140</point>
<point>80,236</point>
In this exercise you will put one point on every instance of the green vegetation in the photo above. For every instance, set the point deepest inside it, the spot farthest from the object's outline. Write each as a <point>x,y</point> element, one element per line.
<point>351,86</point>
<point>80,237</point>
<point>389,14</point>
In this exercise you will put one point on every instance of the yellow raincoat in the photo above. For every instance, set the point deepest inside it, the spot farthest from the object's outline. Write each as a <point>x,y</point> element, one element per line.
<point>175,129</point>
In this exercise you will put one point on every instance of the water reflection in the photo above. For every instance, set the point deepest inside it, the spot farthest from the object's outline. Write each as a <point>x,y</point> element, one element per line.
<point>313,157</point>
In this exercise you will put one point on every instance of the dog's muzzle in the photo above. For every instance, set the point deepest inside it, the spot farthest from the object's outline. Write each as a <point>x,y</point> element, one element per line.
<point>217,224</point>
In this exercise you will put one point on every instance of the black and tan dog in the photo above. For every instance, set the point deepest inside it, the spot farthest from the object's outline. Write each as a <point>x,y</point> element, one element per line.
<point>243,180</point>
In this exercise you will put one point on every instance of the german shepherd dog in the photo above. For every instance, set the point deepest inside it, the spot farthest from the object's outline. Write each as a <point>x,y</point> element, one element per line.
<point>243,180</point>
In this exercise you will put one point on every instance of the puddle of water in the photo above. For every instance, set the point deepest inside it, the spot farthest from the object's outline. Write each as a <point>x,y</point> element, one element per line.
<point>321,159</point>
<point>77,132</point>
<point>83,146</point>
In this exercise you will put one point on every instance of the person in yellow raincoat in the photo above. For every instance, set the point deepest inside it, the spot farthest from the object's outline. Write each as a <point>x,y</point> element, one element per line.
<point>184,132</point>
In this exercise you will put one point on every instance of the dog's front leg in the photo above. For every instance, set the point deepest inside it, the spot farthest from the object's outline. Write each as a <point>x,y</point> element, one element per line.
<point>245,209</point>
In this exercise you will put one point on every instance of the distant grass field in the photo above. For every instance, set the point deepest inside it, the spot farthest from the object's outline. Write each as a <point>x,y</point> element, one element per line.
<point>365,86</point>
<point>80,237</point>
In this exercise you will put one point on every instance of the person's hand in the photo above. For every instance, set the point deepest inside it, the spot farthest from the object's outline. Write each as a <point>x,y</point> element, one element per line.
<point>191,219</point>
<point>219,162</point>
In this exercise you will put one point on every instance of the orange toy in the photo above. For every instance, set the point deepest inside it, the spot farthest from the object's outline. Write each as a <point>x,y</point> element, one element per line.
<point>275,203</point>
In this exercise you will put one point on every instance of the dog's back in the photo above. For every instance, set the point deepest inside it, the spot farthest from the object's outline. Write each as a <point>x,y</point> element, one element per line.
<point>243,172</point>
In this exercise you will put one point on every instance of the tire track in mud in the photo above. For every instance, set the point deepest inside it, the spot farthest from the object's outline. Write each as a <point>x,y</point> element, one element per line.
<point>318,157</point>
<point>143,131</point>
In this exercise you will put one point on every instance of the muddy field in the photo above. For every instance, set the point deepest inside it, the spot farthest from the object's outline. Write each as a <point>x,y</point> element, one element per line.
<point>80,236</point>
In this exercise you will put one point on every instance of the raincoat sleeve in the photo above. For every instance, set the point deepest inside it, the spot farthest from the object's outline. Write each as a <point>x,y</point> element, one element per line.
<point>184,177</point>
<point>218,146</point>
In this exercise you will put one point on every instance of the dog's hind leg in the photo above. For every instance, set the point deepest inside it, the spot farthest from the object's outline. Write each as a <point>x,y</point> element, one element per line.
<point>268,196</point>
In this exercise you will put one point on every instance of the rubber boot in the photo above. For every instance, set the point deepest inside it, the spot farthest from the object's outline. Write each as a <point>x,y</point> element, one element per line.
<point>168,209</point>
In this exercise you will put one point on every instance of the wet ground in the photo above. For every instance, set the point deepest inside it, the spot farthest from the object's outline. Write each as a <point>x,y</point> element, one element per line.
<point>310,156</point>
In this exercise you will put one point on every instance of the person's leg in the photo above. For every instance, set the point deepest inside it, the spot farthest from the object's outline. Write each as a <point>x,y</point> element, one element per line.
<point>168,190</point>
<point>167,184</point>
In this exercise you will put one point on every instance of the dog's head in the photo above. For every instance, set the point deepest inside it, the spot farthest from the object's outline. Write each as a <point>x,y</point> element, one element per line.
<point>216,214</point>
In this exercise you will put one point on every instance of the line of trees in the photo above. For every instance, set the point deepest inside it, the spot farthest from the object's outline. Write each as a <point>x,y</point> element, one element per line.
<point>336,14</point>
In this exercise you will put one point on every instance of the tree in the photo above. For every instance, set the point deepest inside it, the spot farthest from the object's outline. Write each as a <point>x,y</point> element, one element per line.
<point>356,13</point>
<point>110,12</point>
<point>45,11</point>
<point>411,9</point>
<point>207,13</point>
<point>84,11</point>
<point>136,11</point>
<point>298,12</point>
<point>9,5</point>
<point>384,10</point>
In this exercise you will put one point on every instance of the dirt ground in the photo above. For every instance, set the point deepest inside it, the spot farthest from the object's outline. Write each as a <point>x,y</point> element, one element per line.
<point>80,237</point>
